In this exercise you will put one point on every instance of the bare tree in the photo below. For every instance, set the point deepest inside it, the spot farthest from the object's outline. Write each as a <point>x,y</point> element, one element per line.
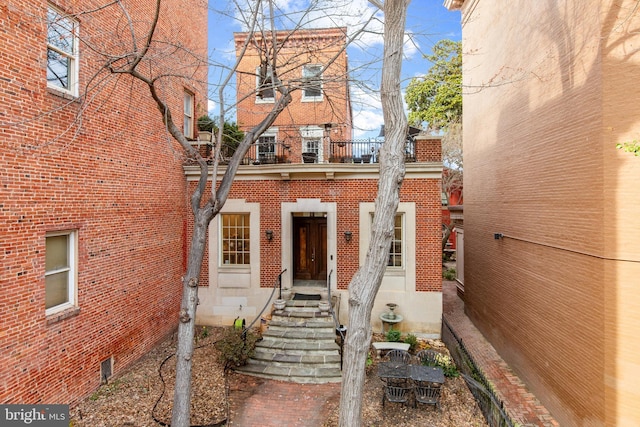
<point>366,282</point>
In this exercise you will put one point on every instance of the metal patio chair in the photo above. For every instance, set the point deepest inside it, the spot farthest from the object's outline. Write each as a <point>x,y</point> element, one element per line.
<point>428,357</point>
<point>396,394</point>
<point>399,356</point>
<point>427,393</point>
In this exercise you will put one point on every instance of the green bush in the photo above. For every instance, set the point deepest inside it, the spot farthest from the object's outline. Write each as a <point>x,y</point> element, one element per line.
<point>234,348</point>
<point>449,274</point>
<point>412,340</point>
<point>393,335</point>
<point>447,365</point>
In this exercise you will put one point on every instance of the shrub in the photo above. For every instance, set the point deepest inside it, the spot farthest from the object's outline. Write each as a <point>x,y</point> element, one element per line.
<point>449,274</point>
<point>393,335</point>
<point>447,365</point>
<point>412,340</point>
<point>236,347</point>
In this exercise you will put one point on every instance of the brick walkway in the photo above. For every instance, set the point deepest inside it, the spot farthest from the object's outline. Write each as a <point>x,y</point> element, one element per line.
<point>520,404</point>
<point>257,402</point>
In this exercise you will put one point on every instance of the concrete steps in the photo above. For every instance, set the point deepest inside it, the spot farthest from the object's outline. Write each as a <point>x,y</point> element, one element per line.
<point>298,346</point>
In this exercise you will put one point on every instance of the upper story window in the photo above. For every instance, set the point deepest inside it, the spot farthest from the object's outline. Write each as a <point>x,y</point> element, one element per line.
<point>235,239</point>
<point>265,85</point>
<point>60,271</point>
<point>188,114</point>
<point>312,83</point>
<point>62,52</point>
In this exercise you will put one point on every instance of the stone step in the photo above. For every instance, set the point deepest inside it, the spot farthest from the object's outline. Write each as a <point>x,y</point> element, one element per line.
<point>282,357</point>
<point>293,373</point>
<point>289,333</point>
<point>299,345</point>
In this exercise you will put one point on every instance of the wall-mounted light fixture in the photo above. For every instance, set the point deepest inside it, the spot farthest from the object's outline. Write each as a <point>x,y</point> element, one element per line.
<point>348,235</point>
<point>269,234</point>
<point>497,236</point>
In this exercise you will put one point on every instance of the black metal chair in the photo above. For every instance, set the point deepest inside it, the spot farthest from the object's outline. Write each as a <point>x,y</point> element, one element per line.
<point>396,394</point>
<point>427,393</point>
<point>428,357</point>
<point>399,356</point>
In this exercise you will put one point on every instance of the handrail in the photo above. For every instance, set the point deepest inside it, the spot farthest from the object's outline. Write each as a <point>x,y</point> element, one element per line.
<point>339,329</point>
<point>277,285</point>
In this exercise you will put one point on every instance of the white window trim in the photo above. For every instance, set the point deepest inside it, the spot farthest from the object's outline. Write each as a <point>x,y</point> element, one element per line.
<point>228,276</point>
<point>186,117</point>
<point>312,98</point>
<point>408,209</point>
<point>74,68</point>
<point>313,132</point>
<point>72,286</point>
<point>259,99</point>
<point>221,263</point>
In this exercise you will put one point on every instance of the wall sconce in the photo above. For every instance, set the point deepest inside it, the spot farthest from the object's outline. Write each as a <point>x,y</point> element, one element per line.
<point>269,234</point>
<point>498,236</point>
<point>347,236</point>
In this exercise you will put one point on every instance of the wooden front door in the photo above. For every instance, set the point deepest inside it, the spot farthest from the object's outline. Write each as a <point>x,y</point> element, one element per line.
<point>309,248</point>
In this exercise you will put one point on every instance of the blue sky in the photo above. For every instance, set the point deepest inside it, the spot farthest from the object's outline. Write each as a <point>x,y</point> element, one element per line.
<point>428,21</point>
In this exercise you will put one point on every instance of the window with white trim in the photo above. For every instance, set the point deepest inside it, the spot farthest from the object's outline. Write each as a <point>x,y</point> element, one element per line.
<point>188,119</point>
<point>396,248</point>
<point>60,270</point>
<point>396,252</point>
<point>312,83</point>
<point>235,239</point>
<point>267,148</point>
<point>62,51</point>
<point>265,88</point>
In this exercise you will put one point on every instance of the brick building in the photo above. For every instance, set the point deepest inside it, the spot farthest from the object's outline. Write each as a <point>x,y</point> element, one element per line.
<point>555,291</point>
<point>92,196</point>
<point>303,200</point>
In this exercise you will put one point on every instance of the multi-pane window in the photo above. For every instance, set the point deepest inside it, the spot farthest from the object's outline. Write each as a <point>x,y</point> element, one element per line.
<point>235,239</point>
<point>62,52</point>
<point>312,150</point>
<point>266,148</point>
<point>395,253</point>
<point>59,276</point>
<point>264,83</point>
<point>312,82</point>
<point>188,114</point>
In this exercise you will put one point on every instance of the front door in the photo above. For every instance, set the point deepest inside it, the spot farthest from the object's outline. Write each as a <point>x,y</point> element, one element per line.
<point>310,248</point>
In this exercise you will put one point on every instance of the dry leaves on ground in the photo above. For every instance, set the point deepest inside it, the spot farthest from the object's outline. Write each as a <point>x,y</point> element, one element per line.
<point>138,395</point>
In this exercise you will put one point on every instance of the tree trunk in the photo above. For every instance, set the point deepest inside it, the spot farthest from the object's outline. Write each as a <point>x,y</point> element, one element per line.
<point>366,282</point>
<point>186,327</point>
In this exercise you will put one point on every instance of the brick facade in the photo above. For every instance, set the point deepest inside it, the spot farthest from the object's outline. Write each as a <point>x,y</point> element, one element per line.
<point>556,295</point>
<point>115,178</point>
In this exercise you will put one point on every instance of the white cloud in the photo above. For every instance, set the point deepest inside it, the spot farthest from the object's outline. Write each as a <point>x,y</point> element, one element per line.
<point>367,113</point>
<point>211,107</point>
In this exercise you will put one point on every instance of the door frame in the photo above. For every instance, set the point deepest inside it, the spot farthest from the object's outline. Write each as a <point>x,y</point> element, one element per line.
<point>287,209</point>
<point>315,223</point>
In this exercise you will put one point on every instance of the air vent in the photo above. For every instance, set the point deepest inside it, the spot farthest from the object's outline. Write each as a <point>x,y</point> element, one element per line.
<point>106,369</point>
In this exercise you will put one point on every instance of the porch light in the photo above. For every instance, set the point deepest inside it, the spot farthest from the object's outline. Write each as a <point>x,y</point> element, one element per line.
<point>348,235</point>
<point>269,234</point>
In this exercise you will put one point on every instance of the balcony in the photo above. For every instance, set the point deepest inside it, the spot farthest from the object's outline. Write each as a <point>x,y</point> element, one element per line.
<point>352,152</point>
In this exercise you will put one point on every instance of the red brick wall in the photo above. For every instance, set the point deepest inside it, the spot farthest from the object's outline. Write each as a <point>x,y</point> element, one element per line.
<point>302,47</point>
<point>347,194</point>
<point>114,177</point>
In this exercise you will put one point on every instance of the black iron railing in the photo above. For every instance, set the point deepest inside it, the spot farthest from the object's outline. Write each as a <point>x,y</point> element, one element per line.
<point>277,285</point>
<point>352,152</point>
<point>490,404</point>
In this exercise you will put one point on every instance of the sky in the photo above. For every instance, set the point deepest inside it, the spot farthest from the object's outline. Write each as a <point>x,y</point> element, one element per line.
<point>428,21</point>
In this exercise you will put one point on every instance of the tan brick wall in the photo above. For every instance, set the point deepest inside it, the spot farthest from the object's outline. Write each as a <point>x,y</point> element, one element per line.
<point>115,178</point>
<point>553,96</point>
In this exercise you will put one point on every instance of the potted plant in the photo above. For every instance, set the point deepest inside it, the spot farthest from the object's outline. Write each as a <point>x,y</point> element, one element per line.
<point>205,128</point>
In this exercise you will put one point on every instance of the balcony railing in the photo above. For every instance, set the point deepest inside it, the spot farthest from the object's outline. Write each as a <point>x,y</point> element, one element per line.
<point>352,152</point>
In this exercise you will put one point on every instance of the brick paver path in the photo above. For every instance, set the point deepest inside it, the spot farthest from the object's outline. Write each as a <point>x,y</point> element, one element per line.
<point>258,402</point>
